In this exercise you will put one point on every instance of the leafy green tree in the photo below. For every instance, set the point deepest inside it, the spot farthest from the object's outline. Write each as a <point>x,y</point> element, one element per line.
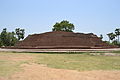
<point>115,42</point>
<point>109,34</point>
<point>63,26</point>
<point>11,39</point>
<point>4,37</point>
<point>20,33</point>
<point>117,32</point>
<point>112,36</point>
<point>17,31</point>
<point>1,44</point>
<point>7,38</point>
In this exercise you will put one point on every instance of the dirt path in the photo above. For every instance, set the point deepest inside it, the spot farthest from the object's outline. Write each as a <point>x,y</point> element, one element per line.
<point>16,57</point>
<point>41,72</point>
<point>61,50</point>
<point>2,78</point>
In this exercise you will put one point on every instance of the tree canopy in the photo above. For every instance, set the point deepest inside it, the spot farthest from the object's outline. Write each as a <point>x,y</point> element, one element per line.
<point>112,36</point>
<point>10,38</point>
<point>117,32</point>
<point>63,26</point>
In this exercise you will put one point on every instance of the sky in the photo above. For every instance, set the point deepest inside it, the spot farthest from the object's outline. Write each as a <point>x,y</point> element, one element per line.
<point>38,16</point>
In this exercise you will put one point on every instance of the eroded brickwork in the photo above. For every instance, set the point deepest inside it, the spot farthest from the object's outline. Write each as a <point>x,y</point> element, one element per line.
<point>60,39</point>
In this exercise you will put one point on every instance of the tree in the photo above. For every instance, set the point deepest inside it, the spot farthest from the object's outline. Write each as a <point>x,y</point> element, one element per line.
<point>117,32</point>
<point>10,38</point>
<point>63,26</point>
<point>111,36</point>
<point>4,37</point>
<point>14,40</point>
<point>7,38</point>
<point>20,33</point>
<point>1,44</point>
<point>101,36</point>
<point>17,31</point>
<point>115,42</point>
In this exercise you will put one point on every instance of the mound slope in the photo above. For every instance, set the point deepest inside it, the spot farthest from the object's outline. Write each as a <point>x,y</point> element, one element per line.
<point>62,40</point>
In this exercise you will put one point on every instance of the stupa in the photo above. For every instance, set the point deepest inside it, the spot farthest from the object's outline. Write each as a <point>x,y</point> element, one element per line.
<point>62,40</point>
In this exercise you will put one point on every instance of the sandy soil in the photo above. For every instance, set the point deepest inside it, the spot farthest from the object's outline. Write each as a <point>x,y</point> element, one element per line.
<point>16,57</point>
<point>42,72</point>
<point>2,78</point>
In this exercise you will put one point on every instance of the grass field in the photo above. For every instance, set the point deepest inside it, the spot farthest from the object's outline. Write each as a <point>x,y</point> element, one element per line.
<point>10,62</point>
<point>81,62</point>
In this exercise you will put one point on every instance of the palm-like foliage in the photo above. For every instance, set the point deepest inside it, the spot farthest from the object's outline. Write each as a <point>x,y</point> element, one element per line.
<point>111,36</point>
<point>117,32</point>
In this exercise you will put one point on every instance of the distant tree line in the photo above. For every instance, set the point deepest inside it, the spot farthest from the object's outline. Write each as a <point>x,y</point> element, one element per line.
<point>10,38</point>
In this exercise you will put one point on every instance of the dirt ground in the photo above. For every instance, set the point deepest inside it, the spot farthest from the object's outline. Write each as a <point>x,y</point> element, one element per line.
<point>16,58</point>
<point>34,71</point>
<point>42,72</point>
<point>61,50</point>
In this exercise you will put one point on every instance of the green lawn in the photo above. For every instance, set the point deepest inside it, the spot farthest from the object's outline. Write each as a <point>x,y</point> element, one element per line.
<point>73,61</point>
<point>116,52</point>
<point>80,62</point>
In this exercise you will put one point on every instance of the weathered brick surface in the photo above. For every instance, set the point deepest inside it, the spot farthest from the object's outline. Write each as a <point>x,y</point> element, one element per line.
<point>60,39</point>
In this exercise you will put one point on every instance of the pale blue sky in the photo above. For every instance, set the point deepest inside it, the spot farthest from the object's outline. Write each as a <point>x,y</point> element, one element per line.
<point>38,16</point>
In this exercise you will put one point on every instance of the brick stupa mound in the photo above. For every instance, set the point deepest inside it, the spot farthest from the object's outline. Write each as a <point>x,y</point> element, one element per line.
<point>62,40</point>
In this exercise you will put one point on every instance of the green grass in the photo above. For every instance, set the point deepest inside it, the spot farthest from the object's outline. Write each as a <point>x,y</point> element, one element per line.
<point>74,61</point>
<point>80,62</point>
<point>115,51</point>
